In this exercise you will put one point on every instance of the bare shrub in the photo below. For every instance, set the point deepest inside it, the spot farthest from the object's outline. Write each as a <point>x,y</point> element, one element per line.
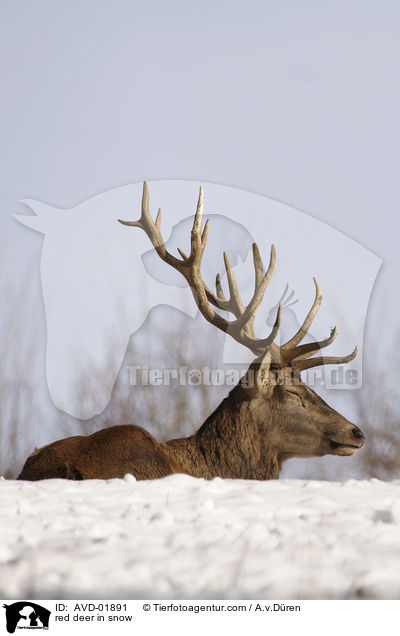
<point>377,404</point>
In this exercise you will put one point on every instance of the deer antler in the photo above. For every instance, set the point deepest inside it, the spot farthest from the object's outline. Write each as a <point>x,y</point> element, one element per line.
<point>242,327</point>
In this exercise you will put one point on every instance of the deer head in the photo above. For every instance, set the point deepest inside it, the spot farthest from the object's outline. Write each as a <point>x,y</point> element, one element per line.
<point>271,403</point>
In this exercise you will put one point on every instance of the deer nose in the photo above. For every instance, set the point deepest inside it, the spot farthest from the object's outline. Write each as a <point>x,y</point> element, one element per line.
<point>358,434</point>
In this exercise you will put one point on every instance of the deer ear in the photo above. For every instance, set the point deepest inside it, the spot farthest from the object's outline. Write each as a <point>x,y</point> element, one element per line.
<point>46,215</point>
<point>258,374</point>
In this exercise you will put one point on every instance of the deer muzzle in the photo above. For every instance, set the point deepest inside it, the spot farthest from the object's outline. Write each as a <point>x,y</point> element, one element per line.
<point>355,440</point>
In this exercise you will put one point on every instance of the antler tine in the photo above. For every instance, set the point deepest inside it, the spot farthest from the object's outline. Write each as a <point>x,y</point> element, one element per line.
<point>307,350</point>
<point>158,219</point>
<point>198,217</point>
<point>299,357</point>
<point>275,328</point>
<point>236,301</point>
<point>147,224</point>
<point>301,365</point>
<point>258,266</point>
<point>197,243</point>
<point>235,304</point>
<point>258,345</point>
<point>298,337</point>
<point>260,285</point>
<point>204,235</point>
<point>145,202</point>
<point>153,231</point>
<point>218,288</point>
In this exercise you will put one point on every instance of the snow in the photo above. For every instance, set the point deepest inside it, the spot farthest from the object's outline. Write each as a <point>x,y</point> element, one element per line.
<point>181,537</point>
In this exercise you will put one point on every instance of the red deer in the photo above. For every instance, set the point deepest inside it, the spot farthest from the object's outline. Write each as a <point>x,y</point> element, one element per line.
<point>269,416</point>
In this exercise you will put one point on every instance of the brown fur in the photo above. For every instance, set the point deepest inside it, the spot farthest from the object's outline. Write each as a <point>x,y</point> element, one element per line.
<point>248,436</point>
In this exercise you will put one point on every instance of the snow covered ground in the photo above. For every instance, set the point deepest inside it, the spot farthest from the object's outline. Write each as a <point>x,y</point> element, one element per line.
<point>181,537</point>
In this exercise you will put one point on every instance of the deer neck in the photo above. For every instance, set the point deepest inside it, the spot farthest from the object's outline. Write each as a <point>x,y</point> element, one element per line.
<point>231,443</point>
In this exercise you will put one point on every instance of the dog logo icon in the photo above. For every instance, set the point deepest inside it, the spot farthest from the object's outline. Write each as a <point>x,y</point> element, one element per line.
<point>26,615</point>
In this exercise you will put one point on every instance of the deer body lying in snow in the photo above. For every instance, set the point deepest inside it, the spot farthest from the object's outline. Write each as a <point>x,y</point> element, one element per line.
<point>270,416</point>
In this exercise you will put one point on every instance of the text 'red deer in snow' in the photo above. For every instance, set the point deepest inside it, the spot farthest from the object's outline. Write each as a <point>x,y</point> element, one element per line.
<point>270,416</point>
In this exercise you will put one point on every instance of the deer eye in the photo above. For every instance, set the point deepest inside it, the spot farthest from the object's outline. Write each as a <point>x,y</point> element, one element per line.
<point>298,397</point>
